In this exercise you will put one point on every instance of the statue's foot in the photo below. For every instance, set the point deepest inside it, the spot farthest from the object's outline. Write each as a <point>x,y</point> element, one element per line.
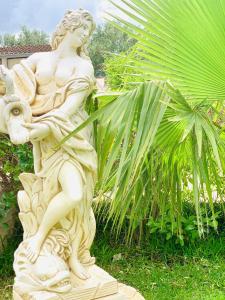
<point>33,248</point>
<point>86,259</point>
<point>78,269</point>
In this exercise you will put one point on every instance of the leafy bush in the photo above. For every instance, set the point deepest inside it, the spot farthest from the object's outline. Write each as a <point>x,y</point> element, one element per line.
<point>13,161</point>
<point>187,230</point>
<point>107,40</point>
<point>119,71</point>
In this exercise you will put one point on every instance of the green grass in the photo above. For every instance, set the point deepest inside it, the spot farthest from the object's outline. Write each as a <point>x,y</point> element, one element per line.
<point>6,288</point>
<point>160,270</point>
<point>164,271</point>
<point>191,279</point>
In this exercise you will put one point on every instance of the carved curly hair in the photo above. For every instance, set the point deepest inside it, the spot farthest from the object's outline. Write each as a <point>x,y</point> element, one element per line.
<point>71,21</point>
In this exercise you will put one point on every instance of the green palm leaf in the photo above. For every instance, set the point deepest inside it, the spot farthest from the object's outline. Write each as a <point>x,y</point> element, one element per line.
<point>159,145</point>
<point>126,130</point>
<point>193,148</point>
<point>153,148</point>
<point>182,41</point>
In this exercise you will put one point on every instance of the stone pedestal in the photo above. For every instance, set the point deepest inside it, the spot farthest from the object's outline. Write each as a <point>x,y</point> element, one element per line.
<point>100,286</point>
<point>124,293</point>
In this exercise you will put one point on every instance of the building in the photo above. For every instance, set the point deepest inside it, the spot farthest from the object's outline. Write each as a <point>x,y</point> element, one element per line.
<point>9,56</point>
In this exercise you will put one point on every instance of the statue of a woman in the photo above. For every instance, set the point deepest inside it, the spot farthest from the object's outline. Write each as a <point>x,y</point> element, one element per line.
<point>56,85</point>
<point>44,102</point>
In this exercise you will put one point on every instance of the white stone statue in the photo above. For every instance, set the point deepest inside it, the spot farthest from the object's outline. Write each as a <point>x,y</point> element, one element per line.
<point>44,102</point>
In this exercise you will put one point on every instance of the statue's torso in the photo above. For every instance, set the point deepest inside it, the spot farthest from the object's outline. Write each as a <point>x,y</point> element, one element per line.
<point>53,72</point>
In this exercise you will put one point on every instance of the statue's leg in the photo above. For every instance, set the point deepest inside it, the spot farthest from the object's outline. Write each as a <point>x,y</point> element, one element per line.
<point>72,193</point>
<point>74,262</point>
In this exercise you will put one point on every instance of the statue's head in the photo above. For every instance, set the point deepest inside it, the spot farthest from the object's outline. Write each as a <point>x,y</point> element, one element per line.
<point>78,22</point>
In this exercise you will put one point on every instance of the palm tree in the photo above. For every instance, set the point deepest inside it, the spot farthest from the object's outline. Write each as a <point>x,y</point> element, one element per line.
<point>161,145</point>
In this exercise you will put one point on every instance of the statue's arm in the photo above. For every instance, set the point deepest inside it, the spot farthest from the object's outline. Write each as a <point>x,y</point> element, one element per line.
<point>74,101</point>
<point>37,131</point>
<point>32,60</point>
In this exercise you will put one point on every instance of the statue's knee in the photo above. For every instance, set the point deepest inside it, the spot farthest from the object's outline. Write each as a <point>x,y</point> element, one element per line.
<point>75,198</point>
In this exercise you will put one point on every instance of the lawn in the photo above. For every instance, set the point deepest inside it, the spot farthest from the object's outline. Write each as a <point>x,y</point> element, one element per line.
<point>160,270</point>
<point>183,278</point>
<point>165,272</point>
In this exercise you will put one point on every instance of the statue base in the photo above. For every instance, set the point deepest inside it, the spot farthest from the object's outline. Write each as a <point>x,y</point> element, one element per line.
<point>100,286</point>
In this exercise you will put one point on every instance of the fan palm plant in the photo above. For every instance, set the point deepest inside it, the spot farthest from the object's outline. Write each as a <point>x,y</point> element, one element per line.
<point>162,144</point>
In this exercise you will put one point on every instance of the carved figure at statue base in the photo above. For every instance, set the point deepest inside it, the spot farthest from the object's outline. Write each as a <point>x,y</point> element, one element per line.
<point>44,102</point>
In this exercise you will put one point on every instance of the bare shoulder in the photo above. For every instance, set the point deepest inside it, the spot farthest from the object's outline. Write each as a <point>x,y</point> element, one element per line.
<point>35,58</point>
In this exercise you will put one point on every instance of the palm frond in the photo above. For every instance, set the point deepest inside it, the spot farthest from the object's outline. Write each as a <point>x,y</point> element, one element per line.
<point>159,145</point>
<point>182,41</point>
<point>126,130</point>
<point>154,149</point>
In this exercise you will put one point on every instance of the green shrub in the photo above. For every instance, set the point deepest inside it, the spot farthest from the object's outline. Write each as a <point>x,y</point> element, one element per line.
<point>120,74</point>
<point>168,227</point>
<point>13,161</point>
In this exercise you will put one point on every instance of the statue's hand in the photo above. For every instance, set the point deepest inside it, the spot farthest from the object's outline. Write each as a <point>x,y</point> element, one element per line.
<point>6,78</point>
<point>37,131</point>
<point>11,98</point>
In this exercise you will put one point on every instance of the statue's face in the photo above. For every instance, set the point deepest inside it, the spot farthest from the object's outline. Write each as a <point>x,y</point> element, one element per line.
<point>80,35</point>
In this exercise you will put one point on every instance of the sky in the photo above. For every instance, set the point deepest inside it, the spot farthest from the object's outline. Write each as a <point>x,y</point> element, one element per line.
<point>44,14</point>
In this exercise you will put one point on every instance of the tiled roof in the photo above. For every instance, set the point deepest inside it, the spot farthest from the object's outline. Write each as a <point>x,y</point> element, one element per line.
<point>24,49</point>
